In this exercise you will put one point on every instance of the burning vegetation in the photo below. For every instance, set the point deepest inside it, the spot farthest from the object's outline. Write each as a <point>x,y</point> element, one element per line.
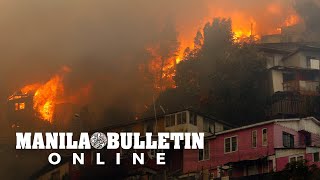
<point>148,54</point>
<point>248,26</point>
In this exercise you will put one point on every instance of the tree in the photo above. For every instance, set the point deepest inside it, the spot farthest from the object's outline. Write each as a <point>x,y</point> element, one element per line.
<point>300,170</point>
<point>227,77</point>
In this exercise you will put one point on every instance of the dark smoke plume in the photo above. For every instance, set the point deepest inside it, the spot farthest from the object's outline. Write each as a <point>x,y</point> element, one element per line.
<point>309,11</point>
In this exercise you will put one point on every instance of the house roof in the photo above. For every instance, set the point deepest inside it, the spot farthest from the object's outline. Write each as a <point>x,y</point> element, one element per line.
<point>266,122</point>
<point>132,122</point>
<point>302,48</point>
<point>287,48</point>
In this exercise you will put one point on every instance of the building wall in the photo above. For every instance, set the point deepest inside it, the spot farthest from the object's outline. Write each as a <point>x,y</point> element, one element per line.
<point>278,131</point>
<point>245,150</point>
<point>185,127</point>
<point>277,81</point>
<point>300,59</point>
<point>292,127</point>
<point>295,60</point>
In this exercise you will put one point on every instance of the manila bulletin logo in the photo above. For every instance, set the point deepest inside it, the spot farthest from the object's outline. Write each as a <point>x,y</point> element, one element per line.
<point>110,141</point>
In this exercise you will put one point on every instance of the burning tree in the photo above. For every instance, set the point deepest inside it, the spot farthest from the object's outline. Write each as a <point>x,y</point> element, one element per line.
<point>222,77</point>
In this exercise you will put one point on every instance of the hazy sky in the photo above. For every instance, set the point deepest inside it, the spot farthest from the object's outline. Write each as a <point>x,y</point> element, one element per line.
<point>104,41</point>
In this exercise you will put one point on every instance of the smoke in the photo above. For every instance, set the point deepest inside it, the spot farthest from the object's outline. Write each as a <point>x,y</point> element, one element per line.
<point>309,11</point>
<point>105,42</point>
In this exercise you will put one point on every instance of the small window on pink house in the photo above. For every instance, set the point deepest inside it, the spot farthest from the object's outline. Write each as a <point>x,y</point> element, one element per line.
<point>254,139</point>
<point>296,158</point>
<point>264,137</point>
<point>231,144</point>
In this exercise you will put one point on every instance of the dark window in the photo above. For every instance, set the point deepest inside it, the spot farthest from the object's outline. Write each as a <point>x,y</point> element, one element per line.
<point>230,144</point>
<point>170,120</point>
<point>288,140</point>
<point>181,118</point>
<point>293,159</point>
<point>234,143</point>
<point>307,139</point>
<point>227,145</point>
<point>254,139</point>
<point>316,157</point>
<point>193,118</point>
<point>299,158</point>
<point>200,154</point>
<point>184,118</point>
<point>296,158</point>
<point>264,137</point>
<point>204,153</point>
<point>167,120</point>
<point>288,77</point>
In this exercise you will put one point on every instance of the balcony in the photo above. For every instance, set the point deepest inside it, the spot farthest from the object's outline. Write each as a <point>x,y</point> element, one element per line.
<point>303,87</point>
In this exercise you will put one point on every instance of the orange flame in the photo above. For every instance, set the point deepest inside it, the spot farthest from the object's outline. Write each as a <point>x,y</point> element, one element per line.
<point>45,98</point>
<point>30,88</point>
<point>245,26</point>
<point>47,95</point>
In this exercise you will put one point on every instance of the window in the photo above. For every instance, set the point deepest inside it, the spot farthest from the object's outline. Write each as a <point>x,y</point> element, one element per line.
<point>204,153</point>
<point>316,157</point>
<point>230,144</point>
<point>288,140</point>
<point>288,77</point>
<point>193,118</point>
<point>313,62</point>
<point>208,125</point>
<point>182,118</point>
<point>170,120</point>
<point>264,137</point>
<point>254,139</point>
<point>296,158</point>
<point>307,139</point>
<point>167,120</point>
<point>19,106</point>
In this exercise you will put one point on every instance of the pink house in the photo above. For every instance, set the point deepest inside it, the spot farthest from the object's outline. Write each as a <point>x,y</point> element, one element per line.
<point>255,149</point>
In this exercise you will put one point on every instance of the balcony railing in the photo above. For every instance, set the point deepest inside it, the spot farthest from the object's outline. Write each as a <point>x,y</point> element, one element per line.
<point>304,87</point>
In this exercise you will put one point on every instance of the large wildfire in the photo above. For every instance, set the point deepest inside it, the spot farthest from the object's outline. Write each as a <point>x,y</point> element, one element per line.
<point>249,24</point>
<point>246,27</point>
